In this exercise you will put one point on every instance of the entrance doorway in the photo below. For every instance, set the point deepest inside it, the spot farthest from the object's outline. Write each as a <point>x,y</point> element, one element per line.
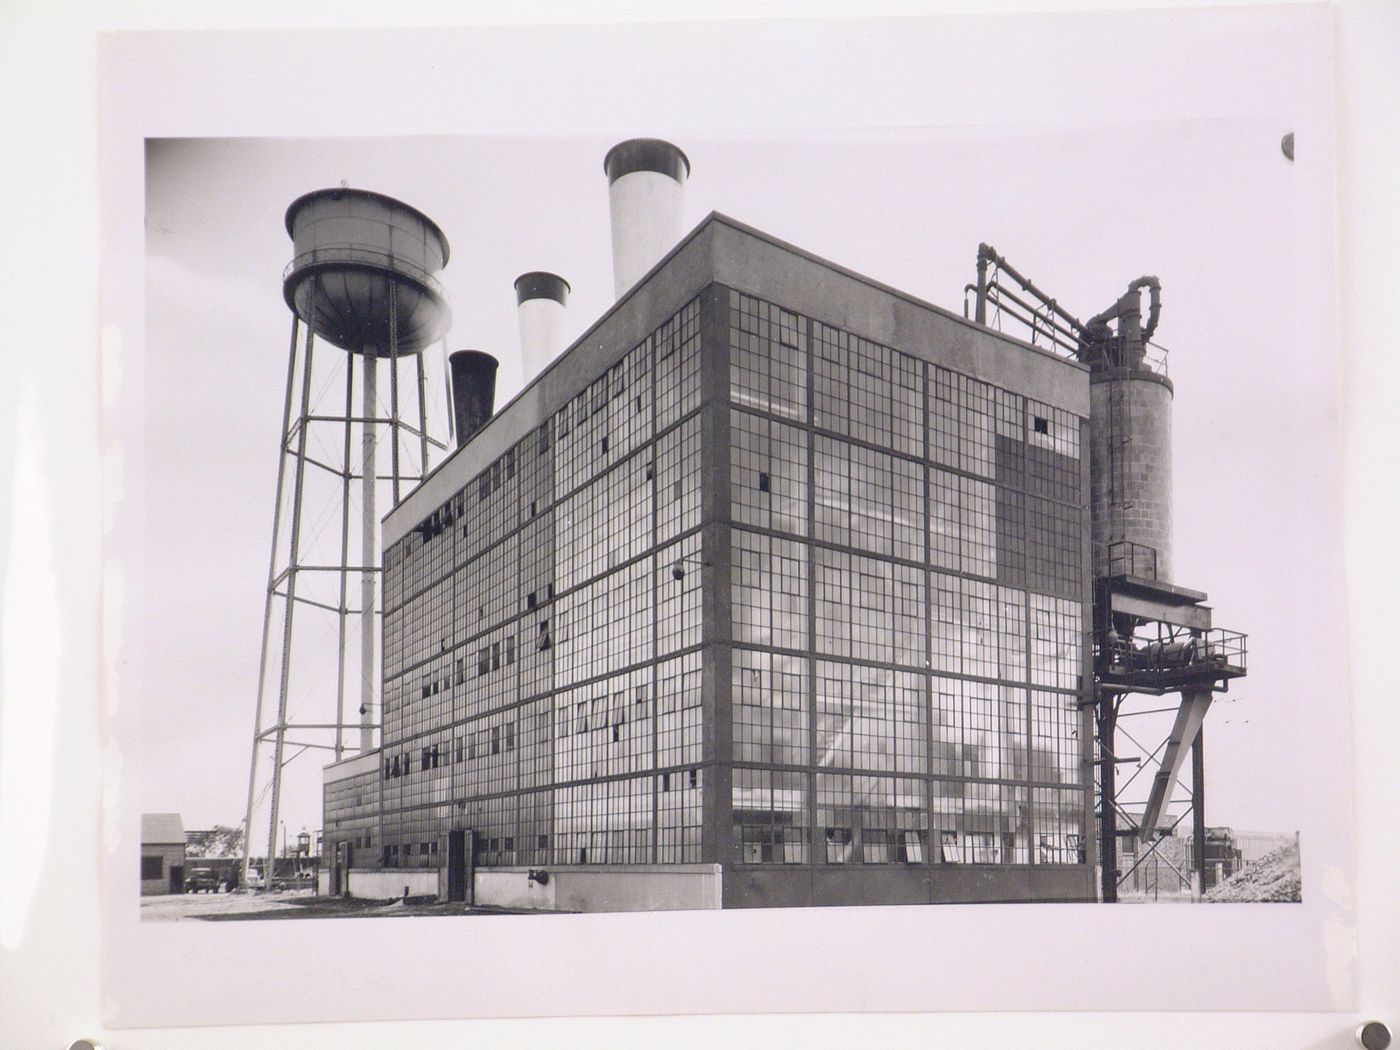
<point>457,865</point>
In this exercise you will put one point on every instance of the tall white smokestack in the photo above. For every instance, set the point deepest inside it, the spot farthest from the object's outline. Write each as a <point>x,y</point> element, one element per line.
<point>645,177</point>
<point>541,298</point>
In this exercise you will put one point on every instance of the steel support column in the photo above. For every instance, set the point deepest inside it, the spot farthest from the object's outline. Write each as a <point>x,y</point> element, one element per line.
<point>368,480</point>
<point>1107,716</point>
<point>1198,809</point>
<point>292,557</point>
<point>422,416</point>
<point>344,562</point>
<point>272,576</point>
<point>394,386</point>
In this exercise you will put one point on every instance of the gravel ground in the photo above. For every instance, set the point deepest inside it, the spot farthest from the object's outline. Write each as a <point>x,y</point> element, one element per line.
<point>178,906</point>
<point>1277,877</point>
<point>296,904</point>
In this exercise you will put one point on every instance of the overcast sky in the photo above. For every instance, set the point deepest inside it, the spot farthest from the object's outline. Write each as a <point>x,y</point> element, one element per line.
<point>1210,207</point>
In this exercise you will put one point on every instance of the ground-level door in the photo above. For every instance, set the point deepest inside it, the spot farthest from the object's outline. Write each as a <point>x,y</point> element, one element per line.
<point>459,865</point>
<point>177,878</point>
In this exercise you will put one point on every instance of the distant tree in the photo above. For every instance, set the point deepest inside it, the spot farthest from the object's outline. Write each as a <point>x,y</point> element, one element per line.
<point>218,841</point>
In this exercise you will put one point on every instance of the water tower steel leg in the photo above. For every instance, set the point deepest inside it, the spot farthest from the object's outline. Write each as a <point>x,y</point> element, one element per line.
<point>447,394</point>
<point>271,589</point>
<point>369,480</point>
<point>344,559</point>
<point>394,383</point>
<point>422,416</point>
<point>294,554</point>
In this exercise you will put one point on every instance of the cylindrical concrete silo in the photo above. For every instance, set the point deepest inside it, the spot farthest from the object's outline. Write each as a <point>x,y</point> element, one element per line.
<point>1130,454</point>
<point>645,178</point>
<point>540,299</point>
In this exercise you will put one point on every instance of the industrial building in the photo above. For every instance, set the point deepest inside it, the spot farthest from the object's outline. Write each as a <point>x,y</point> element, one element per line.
<point>778,587</point>
<point>162,854</point>
<point>773,589</point>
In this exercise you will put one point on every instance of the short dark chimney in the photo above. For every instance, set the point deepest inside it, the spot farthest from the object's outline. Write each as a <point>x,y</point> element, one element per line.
<point>473,391</point>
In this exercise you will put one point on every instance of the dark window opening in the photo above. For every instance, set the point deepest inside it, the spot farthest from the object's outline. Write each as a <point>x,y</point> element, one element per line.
<point>530,600</point>
<point>1041,424</point>
<point>694,777</point>
<point>763,483</point>
<point>151,868</point>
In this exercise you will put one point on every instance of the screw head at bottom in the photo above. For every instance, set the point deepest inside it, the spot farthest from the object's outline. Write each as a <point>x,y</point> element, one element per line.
<point>1373,1035</point>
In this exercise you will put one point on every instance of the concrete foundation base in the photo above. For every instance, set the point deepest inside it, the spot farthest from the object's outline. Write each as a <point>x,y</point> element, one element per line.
<point>381,883</point>
<point>680,887</point>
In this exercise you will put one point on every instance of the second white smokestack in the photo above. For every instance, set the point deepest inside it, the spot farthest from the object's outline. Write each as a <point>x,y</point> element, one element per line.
<point>645,177</point>
<point>540,298</point>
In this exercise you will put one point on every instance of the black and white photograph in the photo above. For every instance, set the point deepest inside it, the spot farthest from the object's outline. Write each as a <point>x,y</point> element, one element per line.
<point>737,577</point>
<point>866,535</point>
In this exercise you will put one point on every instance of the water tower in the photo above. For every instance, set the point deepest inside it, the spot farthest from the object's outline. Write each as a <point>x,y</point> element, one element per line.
<point>363,278</point>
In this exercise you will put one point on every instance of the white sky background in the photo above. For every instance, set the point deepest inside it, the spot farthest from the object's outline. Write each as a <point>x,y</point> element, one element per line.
<point>1208,206</point>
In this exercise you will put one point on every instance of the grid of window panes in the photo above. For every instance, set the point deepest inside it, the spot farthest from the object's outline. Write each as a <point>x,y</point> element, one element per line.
<point>351,815</point>
<point>908,595</point>
<point>542,631</point>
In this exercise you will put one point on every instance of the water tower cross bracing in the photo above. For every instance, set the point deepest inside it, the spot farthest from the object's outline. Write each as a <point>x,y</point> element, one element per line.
<point>363,278</point>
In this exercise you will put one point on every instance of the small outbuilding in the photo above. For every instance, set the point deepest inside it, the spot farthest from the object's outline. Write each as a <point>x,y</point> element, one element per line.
<point>162,854</point>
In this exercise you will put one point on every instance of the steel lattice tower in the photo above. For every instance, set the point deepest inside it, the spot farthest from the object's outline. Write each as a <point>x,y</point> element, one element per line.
<point>362,278</point>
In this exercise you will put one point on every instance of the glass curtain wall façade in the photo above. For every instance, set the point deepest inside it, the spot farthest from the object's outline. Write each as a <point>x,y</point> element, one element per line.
<point>906,592</point>
<point>541,655</point>
<point>908,606</point>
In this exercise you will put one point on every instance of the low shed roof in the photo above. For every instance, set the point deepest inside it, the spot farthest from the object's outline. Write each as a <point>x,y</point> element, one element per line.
<point>162,829</point>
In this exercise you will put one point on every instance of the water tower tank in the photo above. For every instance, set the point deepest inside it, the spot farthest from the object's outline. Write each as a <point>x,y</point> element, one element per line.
<point>350,248</point>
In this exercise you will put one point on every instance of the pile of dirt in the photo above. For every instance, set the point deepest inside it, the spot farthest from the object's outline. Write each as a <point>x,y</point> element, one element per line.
<point>1278,876</point>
